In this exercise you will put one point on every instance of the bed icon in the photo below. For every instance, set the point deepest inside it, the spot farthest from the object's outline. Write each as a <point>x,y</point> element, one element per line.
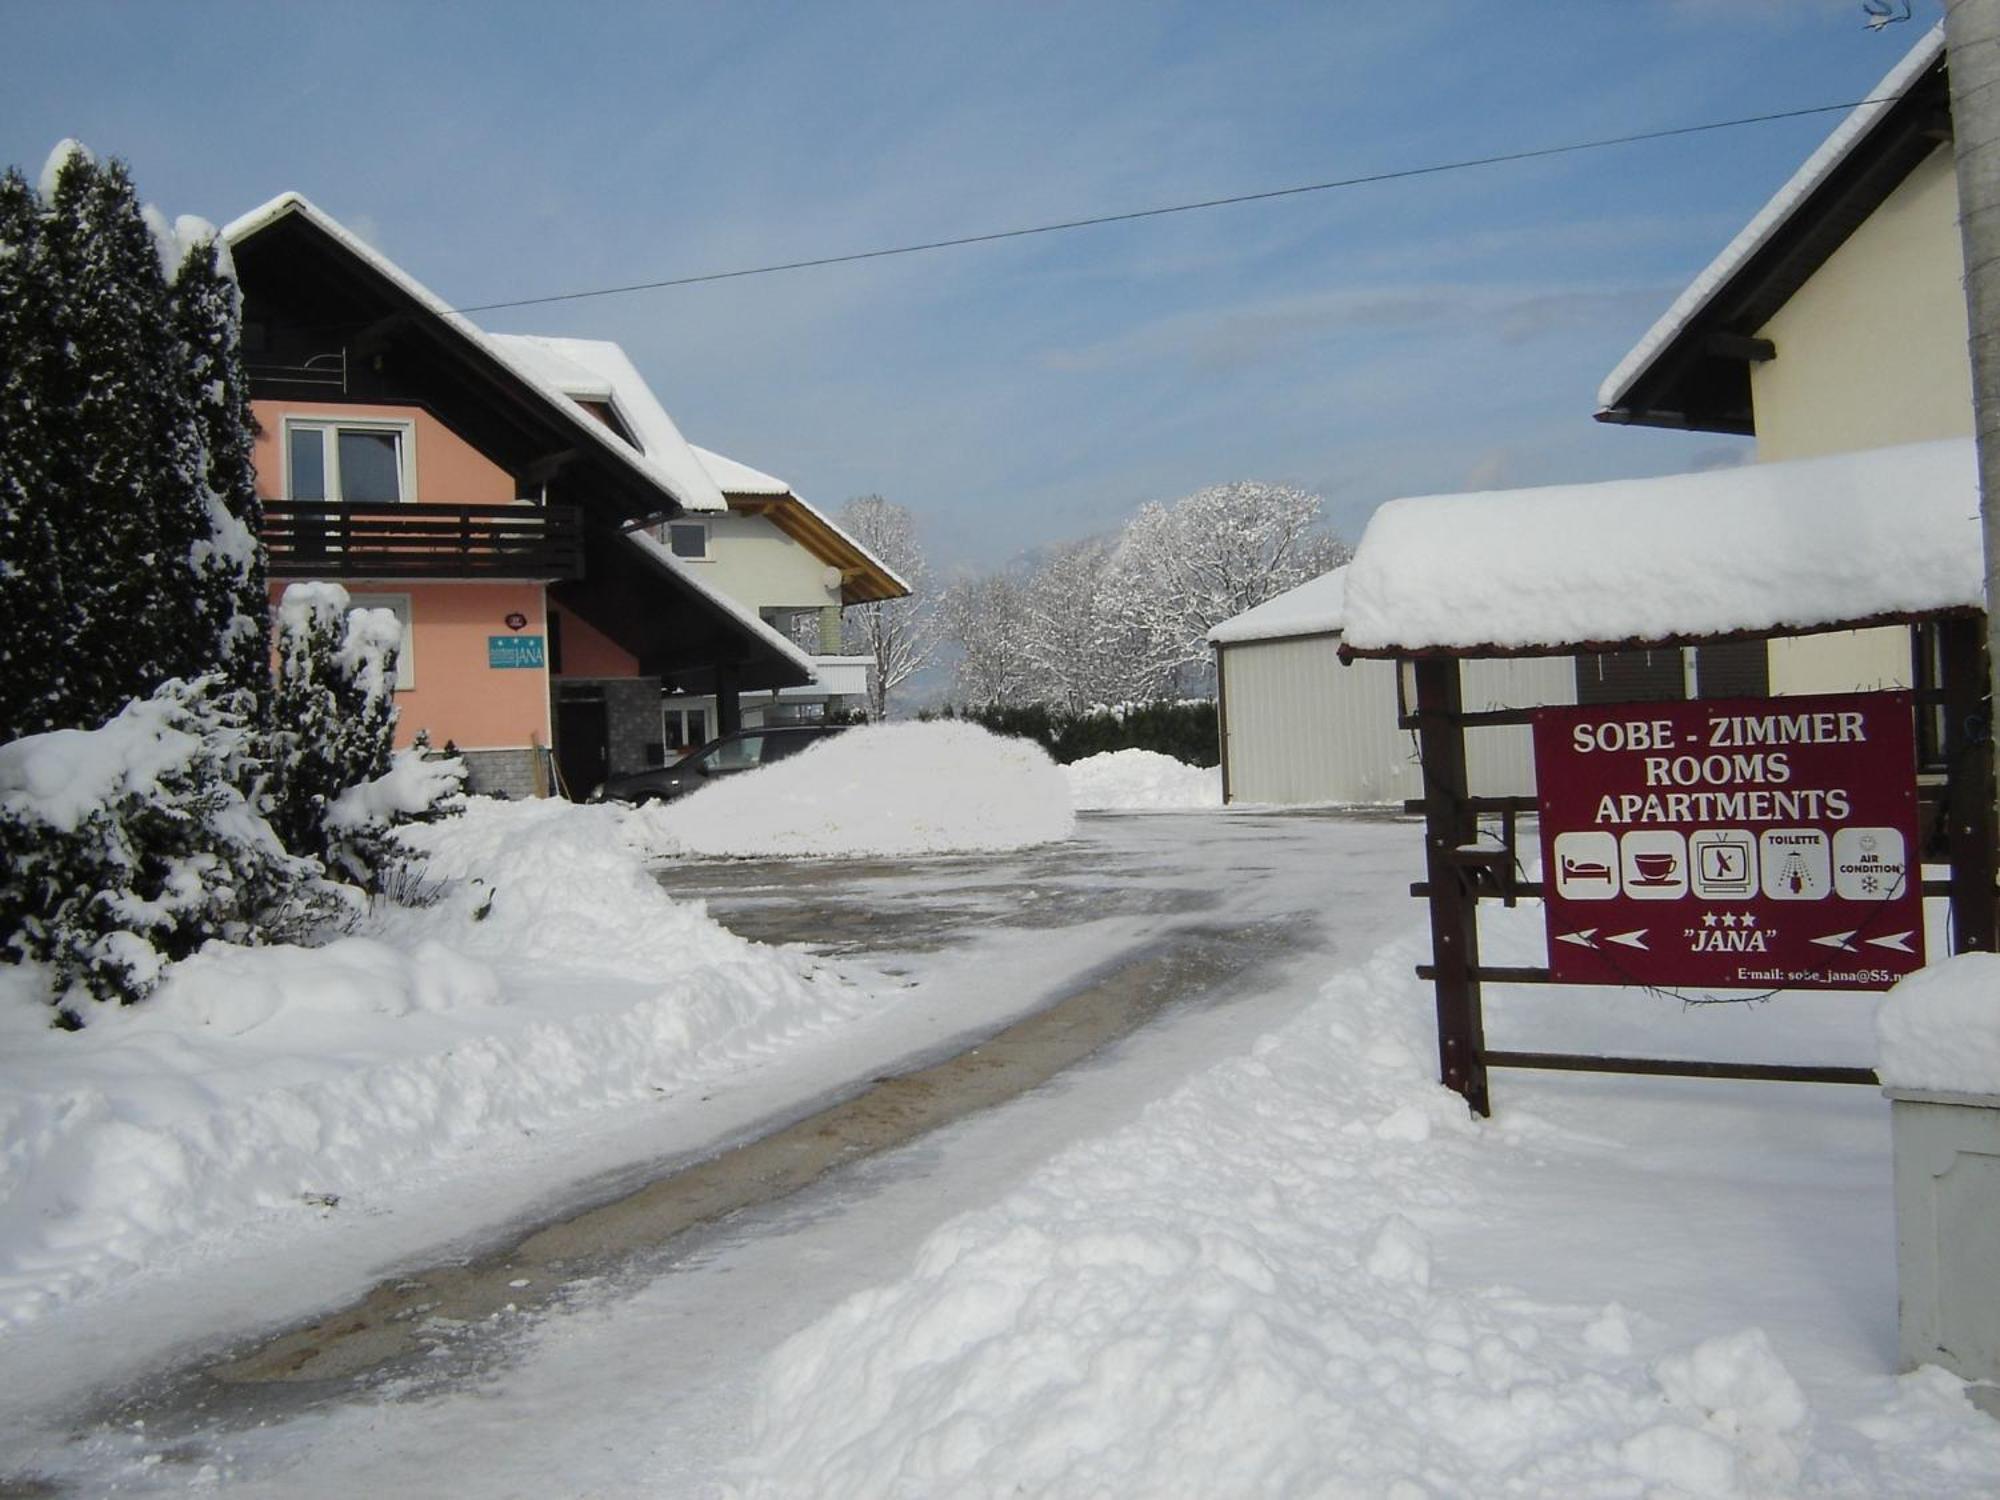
<point>1586,866</point>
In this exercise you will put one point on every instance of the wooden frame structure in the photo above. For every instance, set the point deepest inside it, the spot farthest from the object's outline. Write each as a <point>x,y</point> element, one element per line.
<point>1957,806</point>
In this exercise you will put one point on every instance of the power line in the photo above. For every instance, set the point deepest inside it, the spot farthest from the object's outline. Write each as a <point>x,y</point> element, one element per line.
<point>1064,225</point>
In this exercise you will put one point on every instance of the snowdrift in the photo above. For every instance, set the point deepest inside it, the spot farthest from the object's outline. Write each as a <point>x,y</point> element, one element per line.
<point>551,978</point>
<point>1130,780</point>
<point>887,789</point>
<point>1279,1281</point>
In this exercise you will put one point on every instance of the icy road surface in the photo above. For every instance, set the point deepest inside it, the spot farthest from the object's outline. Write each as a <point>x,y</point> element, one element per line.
<point>639,1377</point>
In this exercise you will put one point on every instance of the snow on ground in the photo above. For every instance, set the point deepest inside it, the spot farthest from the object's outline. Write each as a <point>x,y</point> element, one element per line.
<point>1287,1264</point>
<point>1141,779</point>
<point>551,978</point>
<point>1308,1272</point>
<point>886,789</point>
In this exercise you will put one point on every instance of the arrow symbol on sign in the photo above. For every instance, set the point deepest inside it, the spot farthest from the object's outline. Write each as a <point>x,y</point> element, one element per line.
<point>1584,939</point>
<point>1900,941</point>
<point>1840,940</point>
<point>1630,939</point>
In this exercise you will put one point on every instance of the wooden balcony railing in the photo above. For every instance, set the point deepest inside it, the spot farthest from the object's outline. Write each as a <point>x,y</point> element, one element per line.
<point>326,539</point>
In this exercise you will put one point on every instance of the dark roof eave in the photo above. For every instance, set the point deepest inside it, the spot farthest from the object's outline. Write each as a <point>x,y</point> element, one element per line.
<point>1677,421</point>
<point>1903,137</point>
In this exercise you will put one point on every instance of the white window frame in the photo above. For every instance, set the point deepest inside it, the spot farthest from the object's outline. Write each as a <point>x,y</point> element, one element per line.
<point>406,657</point>
<point>331,425</point>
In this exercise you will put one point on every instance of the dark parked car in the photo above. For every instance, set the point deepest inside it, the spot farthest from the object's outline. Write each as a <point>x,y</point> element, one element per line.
<point>745,750</point>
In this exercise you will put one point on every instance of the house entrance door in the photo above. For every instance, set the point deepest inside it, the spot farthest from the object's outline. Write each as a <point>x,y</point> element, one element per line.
<point>583,744</point>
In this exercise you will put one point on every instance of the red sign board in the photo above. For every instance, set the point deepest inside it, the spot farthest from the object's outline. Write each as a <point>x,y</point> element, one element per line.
<point>1748,843</point>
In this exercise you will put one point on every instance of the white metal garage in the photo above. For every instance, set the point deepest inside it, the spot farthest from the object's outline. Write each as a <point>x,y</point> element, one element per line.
<point>1297,726</point>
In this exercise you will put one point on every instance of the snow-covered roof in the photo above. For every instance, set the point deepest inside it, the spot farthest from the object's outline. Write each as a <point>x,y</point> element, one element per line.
<point>685,482</point>
<point>663,558</point>
<point>599,370</point>
<point>736,478</point>
<point>805,522</point>
<point>1316,607</point>
<point>1811,544</point>
<point>1770,219</point>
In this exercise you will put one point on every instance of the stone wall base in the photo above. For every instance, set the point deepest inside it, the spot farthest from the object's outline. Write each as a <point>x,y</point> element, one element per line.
<point>503,773</point>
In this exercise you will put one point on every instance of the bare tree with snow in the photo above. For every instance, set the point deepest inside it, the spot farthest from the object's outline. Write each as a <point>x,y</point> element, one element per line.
<point>988,620</point>
<point>899,635</point>
<point>1079,655</point>
<point>1183,568</point>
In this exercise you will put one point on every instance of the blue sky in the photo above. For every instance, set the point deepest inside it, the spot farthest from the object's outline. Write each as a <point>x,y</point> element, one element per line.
<point>1441,333</point>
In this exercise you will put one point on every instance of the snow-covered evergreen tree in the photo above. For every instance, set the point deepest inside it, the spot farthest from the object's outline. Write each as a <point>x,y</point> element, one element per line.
<point>35,618</point>
<point>339,789</point>
<point>131,844</point>
<point>229,561</point>
<point>124,464</point>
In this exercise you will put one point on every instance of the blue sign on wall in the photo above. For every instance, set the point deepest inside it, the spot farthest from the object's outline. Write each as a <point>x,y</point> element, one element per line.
<point>514,651</point>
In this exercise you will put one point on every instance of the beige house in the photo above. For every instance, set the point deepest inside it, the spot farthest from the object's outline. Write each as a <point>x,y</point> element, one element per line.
<point>1835,321</point>
<point>775,556</point>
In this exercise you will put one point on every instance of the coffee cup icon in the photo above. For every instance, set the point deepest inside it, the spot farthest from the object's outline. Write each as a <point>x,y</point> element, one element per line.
<point>1656,868</point>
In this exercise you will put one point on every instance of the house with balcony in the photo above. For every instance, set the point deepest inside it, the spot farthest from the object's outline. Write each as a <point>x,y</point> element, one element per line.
<point>775,555</point>
<point>407,455</point>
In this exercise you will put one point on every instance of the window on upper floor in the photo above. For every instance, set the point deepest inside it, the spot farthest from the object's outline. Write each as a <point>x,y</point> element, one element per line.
<point>352,461</point>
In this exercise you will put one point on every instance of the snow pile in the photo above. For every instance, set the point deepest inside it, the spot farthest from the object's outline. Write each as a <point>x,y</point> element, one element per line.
<point>550,978</point>
<point>885,789</point>
<point>1272,1284</point>
<point>1939,1029</point>
<point>1138,779</point>
<point>1810,543</point>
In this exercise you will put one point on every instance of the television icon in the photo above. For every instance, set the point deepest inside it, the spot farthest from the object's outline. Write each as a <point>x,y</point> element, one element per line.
<point>1725,863</point>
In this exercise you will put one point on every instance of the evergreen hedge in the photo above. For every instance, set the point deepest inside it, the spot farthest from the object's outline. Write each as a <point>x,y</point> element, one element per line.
<point>1186,731</point>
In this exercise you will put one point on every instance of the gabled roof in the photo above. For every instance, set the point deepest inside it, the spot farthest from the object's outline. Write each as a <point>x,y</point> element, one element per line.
<point>687,485</point>
<point>1872,537</point>
<point>597,370</point>
<point>864,577</point>
<point>1692,367</point>
<point>1316,607</point>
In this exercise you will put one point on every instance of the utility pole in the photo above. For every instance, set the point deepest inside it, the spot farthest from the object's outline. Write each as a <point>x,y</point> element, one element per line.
<point>1972,53</point>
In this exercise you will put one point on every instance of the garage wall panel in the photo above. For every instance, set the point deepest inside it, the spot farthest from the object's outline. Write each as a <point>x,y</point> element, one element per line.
<point>1304,728</point>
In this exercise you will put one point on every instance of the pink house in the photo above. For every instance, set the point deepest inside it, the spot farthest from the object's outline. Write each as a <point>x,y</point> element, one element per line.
<point>404,453</point>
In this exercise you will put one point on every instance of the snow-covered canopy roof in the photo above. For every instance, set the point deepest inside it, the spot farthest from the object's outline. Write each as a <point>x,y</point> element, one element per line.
<point>598,370</point>
<point>1783,548</point>
<point>1833,179</point>
<point>1316,607</point>
<point>685,482</point>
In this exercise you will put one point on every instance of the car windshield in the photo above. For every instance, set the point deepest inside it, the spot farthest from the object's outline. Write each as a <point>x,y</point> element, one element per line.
<point>737,755</point>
